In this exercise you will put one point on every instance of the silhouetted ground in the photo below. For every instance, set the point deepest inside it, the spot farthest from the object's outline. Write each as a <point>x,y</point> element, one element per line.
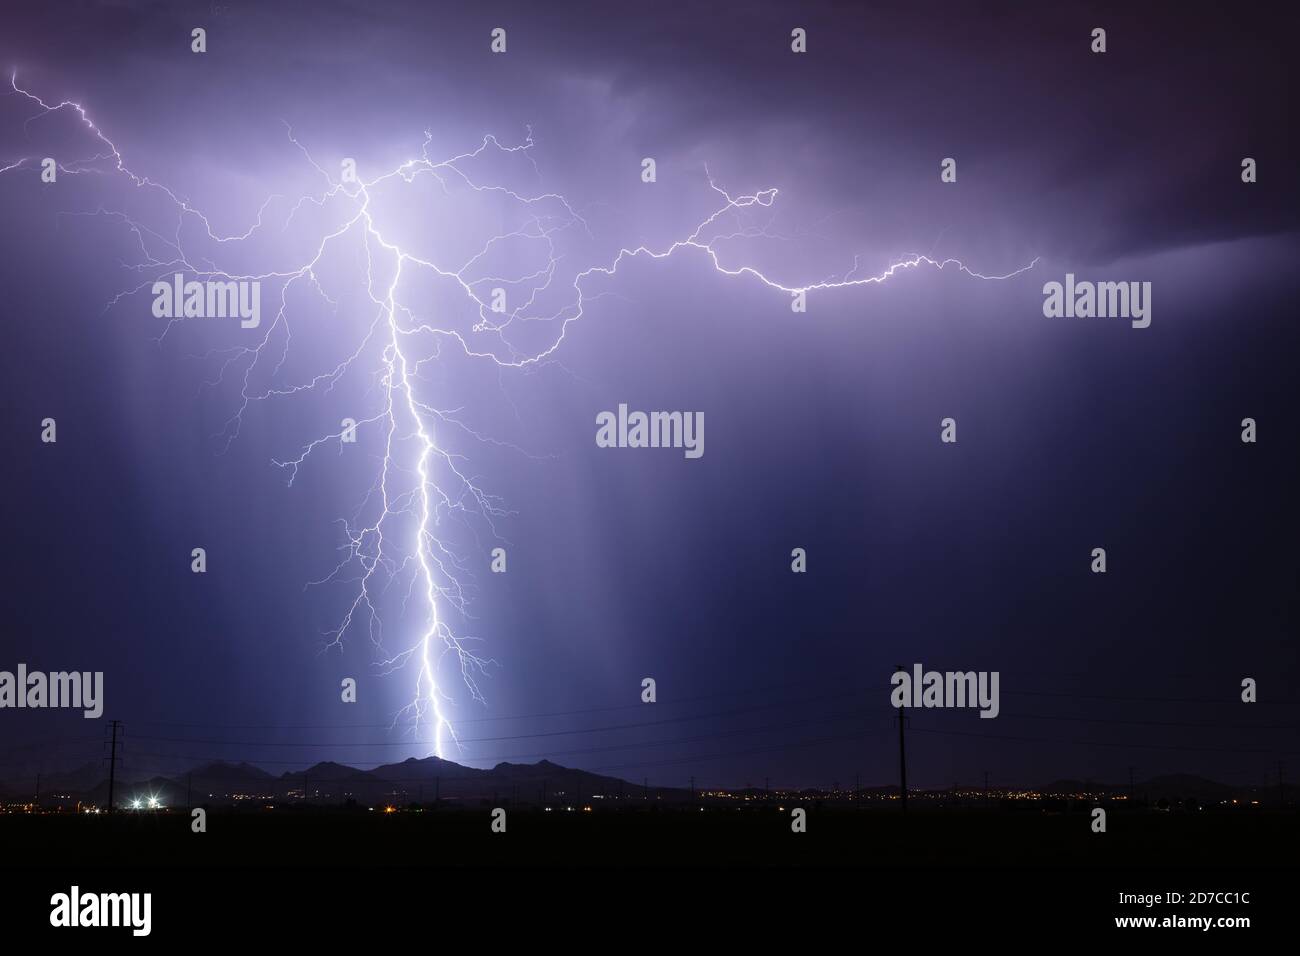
<point>326,837</point>
<point>322,876</point>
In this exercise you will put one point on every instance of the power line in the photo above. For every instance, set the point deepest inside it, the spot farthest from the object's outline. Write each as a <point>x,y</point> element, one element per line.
<point>1154,723</point>
<point>586,750</point>
<point>706,716</point>
<point>549,733</point>
<point>1098,743</point>
<point>1158,700</point>
<point>499,717</point>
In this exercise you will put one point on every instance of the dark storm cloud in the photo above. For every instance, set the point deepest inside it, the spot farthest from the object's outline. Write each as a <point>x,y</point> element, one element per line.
<point>822,427</point>
<point>1088,157</point>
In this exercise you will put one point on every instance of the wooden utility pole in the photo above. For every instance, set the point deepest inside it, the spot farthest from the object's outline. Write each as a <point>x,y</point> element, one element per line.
<point>112,762</point>
<point>902,752</point>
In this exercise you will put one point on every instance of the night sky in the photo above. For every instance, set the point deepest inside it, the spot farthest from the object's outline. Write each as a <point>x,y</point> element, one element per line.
<point>822,427</point>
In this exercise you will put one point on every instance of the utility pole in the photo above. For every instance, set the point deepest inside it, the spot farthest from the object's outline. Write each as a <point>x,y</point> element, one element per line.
<point>112,762</point>
<point>902,752</point>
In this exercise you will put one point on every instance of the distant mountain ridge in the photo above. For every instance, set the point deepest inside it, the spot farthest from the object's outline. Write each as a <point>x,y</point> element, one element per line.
<point>425,780</point>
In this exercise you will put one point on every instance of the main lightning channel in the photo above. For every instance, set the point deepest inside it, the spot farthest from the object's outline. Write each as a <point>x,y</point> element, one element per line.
<point>375,545</point>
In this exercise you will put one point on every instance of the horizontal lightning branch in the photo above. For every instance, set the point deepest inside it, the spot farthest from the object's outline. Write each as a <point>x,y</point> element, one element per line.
<point>396,536</point>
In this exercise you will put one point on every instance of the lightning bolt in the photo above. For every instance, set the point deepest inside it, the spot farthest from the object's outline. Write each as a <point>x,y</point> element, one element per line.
<point>421,481</point>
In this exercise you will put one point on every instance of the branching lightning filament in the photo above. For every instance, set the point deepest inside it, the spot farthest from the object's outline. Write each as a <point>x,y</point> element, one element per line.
<point>397,536</point>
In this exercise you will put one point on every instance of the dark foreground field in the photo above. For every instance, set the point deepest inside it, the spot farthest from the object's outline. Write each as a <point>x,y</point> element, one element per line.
<point>315,875</point>
<point>675,838</point>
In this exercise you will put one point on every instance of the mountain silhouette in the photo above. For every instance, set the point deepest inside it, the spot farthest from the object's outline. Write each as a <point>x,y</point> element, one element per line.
<point>429,780</point>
